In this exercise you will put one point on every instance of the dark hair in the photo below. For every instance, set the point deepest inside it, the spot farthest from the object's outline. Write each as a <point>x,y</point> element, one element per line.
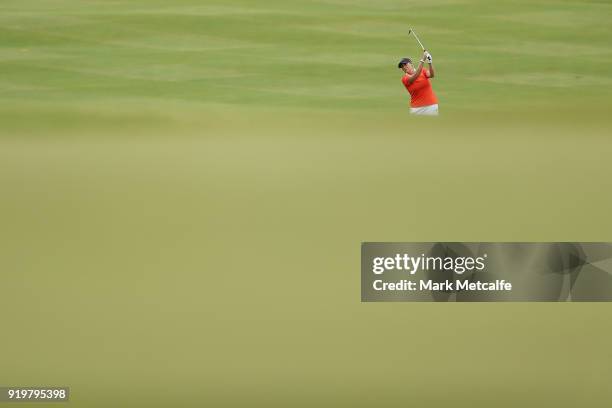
<point>404,61</point>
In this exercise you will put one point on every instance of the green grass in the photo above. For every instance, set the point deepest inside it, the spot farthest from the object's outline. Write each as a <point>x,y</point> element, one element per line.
<point>309,54</point>
<point>185,186</point>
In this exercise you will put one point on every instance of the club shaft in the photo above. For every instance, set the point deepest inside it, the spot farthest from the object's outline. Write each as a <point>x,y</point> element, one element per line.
<point>417,38</point>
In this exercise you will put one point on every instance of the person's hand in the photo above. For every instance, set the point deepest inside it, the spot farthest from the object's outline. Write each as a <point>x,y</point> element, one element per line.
<point>427,57</point>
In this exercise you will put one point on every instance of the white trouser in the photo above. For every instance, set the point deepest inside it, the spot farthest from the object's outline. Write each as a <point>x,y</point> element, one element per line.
<point>429,110</point>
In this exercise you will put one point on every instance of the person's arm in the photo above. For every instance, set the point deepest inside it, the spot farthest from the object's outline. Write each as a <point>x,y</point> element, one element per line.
<point>431,67</point>
<point>416,74</point>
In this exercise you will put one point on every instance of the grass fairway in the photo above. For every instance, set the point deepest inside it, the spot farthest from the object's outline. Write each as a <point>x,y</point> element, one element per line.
<point>185,186</point>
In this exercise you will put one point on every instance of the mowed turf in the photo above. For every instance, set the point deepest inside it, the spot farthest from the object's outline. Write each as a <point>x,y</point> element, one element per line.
<point>305,54</point>
<point>185,187</point>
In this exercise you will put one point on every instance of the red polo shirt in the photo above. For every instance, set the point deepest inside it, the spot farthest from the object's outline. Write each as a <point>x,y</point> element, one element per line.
<point>421,92</point>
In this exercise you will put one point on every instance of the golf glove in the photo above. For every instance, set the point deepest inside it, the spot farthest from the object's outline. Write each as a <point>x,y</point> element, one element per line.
<point>428,57</point>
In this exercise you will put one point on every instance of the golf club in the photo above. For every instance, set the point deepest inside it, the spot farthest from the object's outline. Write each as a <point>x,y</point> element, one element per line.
<point>411,31</point>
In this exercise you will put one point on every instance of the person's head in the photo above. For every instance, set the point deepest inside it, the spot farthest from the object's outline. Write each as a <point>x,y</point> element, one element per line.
<point>405,65</point>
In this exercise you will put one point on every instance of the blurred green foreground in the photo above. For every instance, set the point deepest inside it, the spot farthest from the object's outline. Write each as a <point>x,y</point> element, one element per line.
<point>185,187</point>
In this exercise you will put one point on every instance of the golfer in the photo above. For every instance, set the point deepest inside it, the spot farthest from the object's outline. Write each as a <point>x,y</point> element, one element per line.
<point>423,100</point>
